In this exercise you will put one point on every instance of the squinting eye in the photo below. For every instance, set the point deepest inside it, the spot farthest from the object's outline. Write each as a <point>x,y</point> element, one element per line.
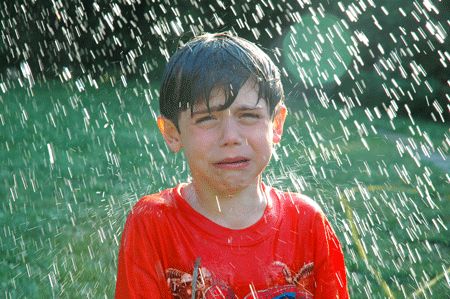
<point>204,119</point>
<point>250,115</point>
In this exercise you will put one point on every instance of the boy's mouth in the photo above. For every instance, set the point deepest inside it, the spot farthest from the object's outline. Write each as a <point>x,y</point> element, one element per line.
<point>233,163</point>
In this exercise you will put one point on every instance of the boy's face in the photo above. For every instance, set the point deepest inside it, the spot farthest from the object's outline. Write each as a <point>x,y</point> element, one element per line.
<point>228,149</point>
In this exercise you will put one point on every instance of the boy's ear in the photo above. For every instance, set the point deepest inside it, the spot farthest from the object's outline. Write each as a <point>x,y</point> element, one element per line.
<point>170,133</point>
<point>278,122</point>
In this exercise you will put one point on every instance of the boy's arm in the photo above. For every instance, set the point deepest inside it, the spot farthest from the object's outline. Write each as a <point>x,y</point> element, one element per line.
<point>330,273</point>
<point>138,275</point>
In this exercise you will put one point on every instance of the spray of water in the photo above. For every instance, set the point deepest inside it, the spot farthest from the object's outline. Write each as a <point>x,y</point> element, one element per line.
<point>367,135</point>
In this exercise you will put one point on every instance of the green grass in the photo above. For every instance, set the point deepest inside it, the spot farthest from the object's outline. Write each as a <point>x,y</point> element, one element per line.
<point>60,222</point>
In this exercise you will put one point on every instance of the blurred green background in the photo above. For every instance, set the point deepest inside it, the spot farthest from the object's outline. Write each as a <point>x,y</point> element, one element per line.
<point>367,133</point>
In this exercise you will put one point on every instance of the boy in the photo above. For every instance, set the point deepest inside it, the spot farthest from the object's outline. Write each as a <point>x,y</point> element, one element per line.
<point>226,234</point>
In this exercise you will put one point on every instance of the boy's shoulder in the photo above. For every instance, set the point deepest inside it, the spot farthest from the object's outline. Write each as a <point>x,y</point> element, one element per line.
<point>304,211</point>
<point>156,203</point>
<point>298,202</point>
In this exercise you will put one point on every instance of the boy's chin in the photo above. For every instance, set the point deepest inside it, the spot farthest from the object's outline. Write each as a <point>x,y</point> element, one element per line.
<point>230,187</point>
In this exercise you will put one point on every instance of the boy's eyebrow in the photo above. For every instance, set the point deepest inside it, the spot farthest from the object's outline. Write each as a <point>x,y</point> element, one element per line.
<point>242,107</point>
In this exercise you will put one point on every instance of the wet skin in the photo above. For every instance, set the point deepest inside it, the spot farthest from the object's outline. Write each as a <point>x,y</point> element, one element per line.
<point>226,149</point>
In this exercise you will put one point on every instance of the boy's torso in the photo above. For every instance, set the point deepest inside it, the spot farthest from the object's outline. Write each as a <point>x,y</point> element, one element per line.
<point>273,257</point>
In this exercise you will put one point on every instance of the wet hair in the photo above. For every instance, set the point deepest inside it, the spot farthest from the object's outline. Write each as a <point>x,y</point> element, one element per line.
<point>218,60</point>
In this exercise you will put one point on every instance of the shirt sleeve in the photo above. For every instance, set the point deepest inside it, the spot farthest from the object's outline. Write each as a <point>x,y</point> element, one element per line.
<point>140,273</point>
<point>330,276</point>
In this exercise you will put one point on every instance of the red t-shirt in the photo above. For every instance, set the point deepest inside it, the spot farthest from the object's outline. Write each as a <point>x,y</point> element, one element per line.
<point>292,251</point>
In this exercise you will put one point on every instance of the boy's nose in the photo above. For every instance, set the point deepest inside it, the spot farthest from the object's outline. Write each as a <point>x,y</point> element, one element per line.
<point>230,133</point>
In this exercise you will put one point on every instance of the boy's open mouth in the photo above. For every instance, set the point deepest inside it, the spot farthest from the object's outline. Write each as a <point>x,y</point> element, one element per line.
<point>238,162</point>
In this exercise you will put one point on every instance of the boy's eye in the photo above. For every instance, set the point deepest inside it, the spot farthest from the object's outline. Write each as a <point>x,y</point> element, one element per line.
<point>250,115</point>
<point>204,119</point>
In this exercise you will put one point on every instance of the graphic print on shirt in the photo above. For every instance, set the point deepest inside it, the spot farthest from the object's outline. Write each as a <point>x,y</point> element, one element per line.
<point>180,284</point>
<point>286,284</point>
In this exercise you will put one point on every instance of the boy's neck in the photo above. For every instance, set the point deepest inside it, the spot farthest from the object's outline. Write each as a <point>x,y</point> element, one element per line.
<point>236,211</point>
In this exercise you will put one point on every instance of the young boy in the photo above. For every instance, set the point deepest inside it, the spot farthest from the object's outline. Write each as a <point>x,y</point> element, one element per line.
<point>226,234</point>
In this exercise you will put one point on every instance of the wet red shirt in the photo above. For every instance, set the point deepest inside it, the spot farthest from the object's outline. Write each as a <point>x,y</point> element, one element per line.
<point>168,250</point>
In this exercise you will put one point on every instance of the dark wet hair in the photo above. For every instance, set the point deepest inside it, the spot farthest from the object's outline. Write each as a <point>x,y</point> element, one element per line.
<point>218,60</point>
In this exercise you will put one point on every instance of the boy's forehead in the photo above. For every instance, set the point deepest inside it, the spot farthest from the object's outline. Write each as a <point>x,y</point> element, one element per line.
<point>247,96</point>
<point>216,100</point>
